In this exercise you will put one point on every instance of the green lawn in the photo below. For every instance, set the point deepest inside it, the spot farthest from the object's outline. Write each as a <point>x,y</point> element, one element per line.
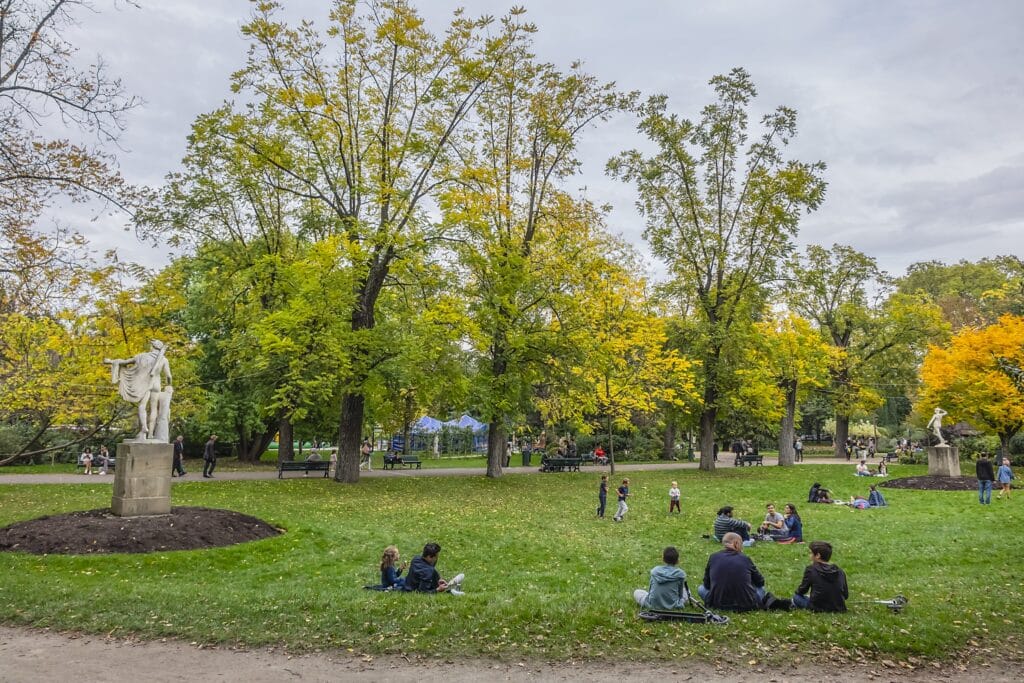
<point>544,577</point>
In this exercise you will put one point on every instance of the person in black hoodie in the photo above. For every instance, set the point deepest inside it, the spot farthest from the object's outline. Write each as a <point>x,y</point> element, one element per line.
<point>825,581</point>
<point>423,575</point>
<point>986,475</point>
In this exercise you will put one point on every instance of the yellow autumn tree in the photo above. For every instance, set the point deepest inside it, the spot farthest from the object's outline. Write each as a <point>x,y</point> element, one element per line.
<point>965,379</point>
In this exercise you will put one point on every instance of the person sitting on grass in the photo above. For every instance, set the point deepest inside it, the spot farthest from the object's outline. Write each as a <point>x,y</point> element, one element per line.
<point>883,471</point>
<point>773,524</point>
<point>817,494</point>
<point>731,580</point>
<point>390,571</point>
<point>875,498</point>
<point>667,589</point>
<point>724,524</point>
<point>423,576</point>
<point>862,469</point>
<point>794,526</point>
<point>826,583</point>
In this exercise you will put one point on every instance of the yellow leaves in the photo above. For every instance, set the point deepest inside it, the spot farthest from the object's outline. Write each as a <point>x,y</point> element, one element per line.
<point>964,378</point>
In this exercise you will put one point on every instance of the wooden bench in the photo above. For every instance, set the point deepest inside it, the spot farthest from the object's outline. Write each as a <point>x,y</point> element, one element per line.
<point>750,459</point>
<point>403,460</point>
<point>306,467</point>
<point>561,465</point>
<point>892,456</point>
<point>96,463</point>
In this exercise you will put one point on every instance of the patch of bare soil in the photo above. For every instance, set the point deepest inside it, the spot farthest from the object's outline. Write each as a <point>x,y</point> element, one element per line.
<point>933,483</point>
<point>101,531</point>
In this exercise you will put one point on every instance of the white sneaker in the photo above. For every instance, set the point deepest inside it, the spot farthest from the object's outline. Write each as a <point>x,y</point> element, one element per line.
<point>455,591</point>
<point>457,581</point>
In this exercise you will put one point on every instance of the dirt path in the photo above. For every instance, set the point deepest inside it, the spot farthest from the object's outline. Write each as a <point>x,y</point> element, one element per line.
<point>196,476</point>
<point>28,655</point>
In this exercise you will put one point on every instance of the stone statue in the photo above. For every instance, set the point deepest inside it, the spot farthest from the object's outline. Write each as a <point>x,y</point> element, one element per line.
<point>139,381</point>
<point>936,424</point>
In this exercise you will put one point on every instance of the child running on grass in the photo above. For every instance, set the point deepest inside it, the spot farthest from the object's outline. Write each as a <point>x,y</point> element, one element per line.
<point>602,496</point>
<point>673,499</point>
<point>623,495</point>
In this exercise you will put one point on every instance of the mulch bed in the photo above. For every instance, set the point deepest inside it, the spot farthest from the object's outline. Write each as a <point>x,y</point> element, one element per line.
<point>933,483</point>
<point>101,531</point>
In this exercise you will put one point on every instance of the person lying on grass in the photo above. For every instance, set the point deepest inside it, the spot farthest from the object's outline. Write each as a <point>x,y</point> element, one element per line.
<point>826,583</point>
<point>423,576</point>
<point>731,580</point>
<point>667,589</point>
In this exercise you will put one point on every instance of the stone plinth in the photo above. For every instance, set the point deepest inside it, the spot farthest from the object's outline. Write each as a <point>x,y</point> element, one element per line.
<point>944,461</point>
<point>142,479</point>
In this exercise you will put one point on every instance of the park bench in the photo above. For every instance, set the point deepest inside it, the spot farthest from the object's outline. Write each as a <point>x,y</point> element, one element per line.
<point>306,467</point>
<point>561,465</point>
<point>96,463</point>
<point>749,459</point>
<point>403,460</point>
<point>892,456</point>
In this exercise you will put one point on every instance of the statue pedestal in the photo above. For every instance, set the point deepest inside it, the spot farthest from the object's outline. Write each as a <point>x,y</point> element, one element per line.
<point>944,461</point>
<point>142,479</point>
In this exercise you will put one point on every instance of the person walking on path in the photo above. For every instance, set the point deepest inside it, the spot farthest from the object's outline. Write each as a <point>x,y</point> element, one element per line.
<point>1005,476</point>
<point>623,495</point>
<point>179,453</point>
<point>209,457</point>
<point>983,470</point>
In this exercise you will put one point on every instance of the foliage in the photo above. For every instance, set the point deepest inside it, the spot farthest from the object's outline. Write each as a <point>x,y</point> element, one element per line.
<point>721,213</point>
<point>40,76</point>
<point>877,335</point>
<point>528,248</point>
<point>970,294</point>
<point>570,583</point>
<point>964,378</point>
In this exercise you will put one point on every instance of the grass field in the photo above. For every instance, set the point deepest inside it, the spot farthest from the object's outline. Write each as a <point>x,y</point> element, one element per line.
<point>544,577</point>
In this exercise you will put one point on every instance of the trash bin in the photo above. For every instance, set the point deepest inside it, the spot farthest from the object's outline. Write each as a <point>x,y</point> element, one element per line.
<point>526,458</point>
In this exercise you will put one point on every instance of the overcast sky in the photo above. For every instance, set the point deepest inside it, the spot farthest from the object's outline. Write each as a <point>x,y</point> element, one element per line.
<point>917,107</point>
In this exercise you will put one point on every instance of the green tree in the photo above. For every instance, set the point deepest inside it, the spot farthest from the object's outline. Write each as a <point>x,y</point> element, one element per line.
<point>970,294</point>
<point>721,211</point>
<point>878,335</point>
<point>527,246</point>
<point>361,123</point>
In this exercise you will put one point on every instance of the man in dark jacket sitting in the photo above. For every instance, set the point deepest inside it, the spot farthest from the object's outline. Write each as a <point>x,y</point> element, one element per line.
<point>423,575</point>
<point>731,581</point>
<point>825,581</point>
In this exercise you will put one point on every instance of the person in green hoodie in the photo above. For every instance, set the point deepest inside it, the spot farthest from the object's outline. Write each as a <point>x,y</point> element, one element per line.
<point>825,581</point>
<point>668,585</point>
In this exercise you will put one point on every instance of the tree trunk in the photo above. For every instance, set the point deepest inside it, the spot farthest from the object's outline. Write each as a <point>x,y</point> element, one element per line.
<point>611,449</point>
<point>668,446</point>
<point>497,442</point>
<point>243,439</point>
<point>286,441</point>
<point>406,423</point>
<point>707,435</point>
<point>842,432</point>
<point>1004,445</point>
<point>787,430</point>
<point>349,437</point>
<point>260,443</point>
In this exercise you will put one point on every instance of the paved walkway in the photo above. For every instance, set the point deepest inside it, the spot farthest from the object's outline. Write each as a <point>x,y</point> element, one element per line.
<point>196,475</point>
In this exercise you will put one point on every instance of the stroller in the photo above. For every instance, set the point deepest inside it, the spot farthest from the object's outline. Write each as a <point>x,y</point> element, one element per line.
<point>701,615</point>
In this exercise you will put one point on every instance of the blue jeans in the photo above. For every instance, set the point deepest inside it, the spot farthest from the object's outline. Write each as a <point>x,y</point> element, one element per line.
<point>984,492</point>
<point>801,601</point>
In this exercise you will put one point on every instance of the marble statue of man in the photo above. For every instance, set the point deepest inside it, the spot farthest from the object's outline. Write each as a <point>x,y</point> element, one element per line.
<point>139,381</point>
<point>936,424</point>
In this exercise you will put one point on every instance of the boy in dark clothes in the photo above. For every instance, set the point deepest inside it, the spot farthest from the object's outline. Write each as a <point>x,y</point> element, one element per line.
<point>826,582</point>
<point>423,576</point>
